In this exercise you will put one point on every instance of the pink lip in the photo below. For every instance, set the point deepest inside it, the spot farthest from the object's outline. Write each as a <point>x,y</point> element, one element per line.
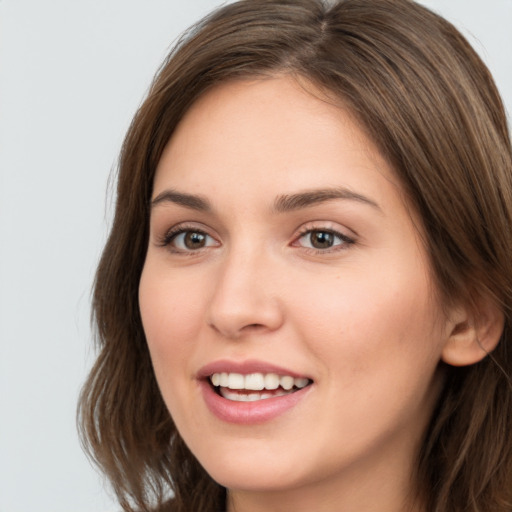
<point>247,413</point>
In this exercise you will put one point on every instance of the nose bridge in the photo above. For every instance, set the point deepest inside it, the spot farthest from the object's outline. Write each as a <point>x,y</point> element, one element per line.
<point>245,296</point>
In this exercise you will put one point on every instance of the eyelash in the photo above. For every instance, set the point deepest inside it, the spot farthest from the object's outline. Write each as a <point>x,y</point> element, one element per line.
<point>345,240</point>
<point>171,235</point>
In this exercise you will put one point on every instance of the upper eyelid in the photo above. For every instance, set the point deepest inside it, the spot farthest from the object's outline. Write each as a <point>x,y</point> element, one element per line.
<point>180,232</point>
<point>164,237</point>
<point>337,232</point>
<point>326,225</point>
<point>346,239</point>
<point>188,226</point>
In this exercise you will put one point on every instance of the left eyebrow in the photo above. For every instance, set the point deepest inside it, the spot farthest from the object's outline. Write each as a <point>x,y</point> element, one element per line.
<point>291,202</point>
<point>190,201</point>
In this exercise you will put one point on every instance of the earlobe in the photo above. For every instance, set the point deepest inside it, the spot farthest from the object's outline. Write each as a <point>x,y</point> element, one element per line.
<point>473,335</point>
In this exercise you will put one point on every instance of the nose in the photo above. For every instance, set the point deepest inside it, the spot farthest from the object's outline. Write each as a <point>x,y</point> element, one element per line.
<point>245,299</point>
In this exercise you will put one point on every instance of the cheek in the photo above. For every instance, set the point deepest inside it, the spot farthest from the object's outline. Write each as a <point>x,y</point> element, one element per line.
<point>372,319</point>
<point>171,312</point>
<point>377,345</point>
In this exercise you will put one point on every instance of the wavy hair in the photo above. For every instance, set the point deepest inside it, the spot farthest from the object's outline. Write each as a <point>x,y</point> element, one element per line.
<point>430,105</point>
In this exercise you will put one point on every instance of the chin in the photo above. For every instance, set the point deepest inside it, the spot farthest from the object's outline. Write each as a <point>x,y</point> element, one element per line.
<point>249,478</point>
<point>252,471</point>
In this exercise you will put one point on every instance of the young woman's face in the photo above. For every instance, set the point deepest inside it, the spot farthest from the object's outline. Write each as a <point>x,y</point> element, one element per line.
<point>282,254</point>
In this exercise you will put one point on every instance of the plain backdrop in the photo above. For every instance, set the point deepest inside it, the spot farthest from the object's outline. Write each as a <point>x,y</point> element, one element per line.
<point>72,74</point>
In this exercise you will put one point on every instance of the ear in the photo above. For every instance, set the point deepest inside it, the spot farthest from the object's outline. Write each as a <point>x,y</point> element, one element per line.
<point>474,333</point>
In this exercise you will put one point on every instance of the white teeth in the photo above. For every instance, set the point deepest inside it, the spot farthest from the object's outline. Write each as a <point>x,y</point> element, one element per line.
<point>301,382</point>
<point>236,381</point>
<point>271,381</point>
<point>257,382</point>
<point>249,397</point>
<point>286,382</point>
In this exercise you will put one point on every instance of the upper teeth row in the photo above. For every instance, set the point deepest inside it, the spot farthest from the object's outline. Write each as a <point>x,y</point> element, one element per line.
<point>257,381</point>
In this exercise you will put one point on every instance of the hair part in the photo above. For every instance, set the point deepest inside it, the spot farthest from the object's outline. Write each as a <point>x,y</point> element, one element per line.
<point>430,105</point>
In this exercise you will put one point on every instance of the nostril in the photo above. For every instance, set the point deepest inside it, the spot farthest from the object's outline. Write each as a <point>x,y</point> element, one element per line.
<point>254,327</point>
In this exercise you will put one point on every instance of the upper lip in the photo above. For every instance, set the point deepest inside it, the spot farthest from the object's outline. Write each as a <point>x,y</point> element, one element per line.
<point>244,367</point>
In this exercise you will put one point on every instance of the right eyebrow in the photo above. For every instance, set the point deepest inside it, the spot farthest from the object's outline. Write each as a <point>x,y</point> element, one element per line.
<point>291,202</point>
<point>191,201</point>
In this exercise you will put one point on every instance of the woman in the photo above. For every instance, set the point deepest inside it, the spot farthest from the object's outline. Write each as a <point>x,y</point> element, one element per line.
<point>304,302</point>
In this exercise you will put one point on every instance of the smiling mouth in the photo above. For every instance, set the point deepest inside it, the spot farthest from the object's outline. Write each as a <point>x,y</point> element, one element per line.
<point>255,386</point>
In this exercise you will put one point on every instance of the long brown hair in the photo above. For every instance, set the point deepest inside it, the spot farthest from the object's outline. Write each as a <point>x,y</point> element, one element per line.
<point>430,104</point>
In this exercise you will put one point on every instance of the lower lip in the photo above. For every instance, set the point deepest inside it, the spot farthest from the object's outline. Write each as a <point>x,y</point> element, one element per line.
<point>247,413</point>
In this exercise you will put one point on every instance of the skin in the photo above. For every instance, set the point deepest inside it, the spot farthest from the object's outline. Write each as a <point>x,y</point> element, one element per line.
<point>358,318</point>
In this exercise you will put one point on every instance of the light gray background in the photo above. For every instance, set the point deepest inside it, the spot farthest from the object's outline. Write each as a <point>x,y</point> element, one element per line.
<point>72,74</point>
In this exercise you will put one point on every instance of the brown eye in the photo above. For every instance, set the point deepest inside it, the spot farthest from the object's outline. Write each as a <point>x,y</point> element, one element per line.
<point>194,240</point>
<point>190,240</point>
<point>321,239</point>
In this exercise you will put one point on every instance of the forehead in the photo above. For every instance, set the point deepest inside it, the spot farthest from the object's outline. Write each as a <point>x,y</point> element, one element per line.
<point>269,136</point>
